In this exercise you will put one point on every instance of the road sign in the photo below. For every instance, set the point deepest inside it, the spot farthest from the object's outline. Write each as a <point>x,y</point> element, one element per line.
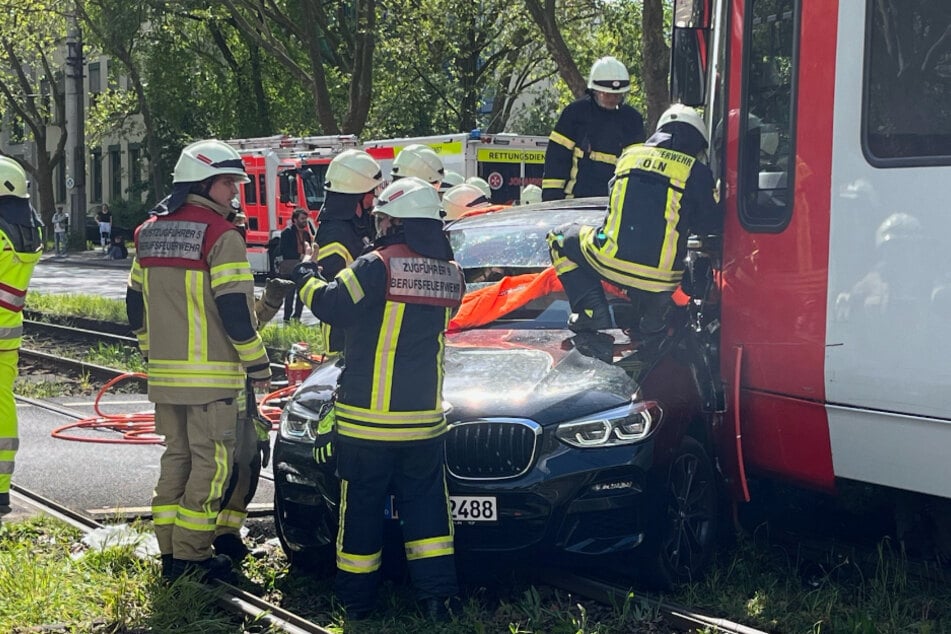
<point>70,183</point>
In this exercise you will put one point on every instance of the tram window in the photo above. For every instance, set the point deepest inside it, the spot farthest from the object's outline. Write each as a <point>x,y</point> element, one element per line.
<point>906,118</point>
<point>766,152</point>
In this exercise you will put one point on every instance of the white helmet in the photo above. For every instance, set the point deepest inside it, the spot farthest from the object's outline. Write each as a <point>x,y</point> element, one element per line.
<point>481,184</point>
<point>451,179</point>
<point>530,194</point>
<point>12,179</point>
<point>609,75</point>
<point>462,199</point>
<point>420,161</point>
<point>684,114</point>
<point>353,172</point>
<point>409,197</point>
<point>205,159</point>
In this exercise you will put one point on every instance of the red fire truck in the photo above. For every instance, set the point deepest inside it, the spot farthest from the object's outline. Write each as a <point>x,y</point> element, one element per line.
<point>286,173</point>
<point>831,126</point>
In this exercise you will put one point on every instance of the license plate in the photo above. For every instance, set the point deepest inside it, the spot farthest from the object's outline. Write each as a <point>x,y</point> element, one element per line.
<point>464,508</point>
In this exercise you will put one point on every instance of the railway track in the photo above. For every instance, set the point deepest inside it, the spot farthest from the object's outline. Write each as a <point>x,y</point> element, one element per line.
<point>232,598</point>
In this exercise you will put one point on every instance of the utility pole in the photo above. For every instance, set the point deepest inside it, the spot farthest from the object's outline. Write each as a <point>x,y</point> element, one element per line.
<point>75,130</point>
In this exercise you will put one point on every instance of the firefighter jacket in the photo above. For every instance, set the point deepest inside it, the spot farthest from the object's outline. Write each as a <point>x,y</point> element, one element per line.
<point>659,196</point>
<point>190,303</point>
<point>20,249</point>
<point>584,147</point>
<point>395,305</point>
<point>339,244</point>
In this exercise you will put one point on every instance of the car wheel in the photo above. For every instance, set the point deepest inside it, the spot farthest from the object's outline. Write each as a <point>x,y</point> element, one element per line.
<point>681,543</point>
<point>316,560</point>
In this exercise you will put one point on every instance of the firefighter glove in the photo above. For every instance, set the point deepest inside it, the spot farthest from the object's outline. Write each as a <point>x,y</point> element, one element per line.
<point>326,432</point>
<point>262,428</point>
<point>303,272</point>
<point>276,289</point>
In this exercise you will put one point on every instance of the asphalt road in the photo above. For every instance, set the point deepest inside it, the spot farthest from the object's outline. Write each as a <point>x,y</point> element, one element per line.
<point>89,273</point>
<point>97,478</point>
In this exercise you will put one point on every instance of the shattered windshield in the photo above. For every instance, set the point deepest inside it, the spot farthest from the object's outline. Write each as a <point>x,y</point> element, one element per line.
<point>509,243</point>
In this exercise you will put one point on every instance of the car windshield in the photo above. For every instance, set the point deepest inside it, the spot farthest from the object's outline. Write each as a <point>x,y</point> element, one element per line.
<point>512,242</point>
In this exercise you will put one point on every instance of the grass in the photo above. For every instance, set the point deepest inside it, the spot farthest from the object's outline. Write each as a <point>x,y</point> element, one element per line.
<point>48,578</point>
<point>776,589</point>
<point>70,305</point>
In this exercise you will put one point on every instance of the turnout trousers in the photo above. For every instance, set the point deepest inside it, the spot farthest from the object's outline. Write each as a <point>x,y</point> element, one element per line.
<point>195,469</point>
<point>582,285</point>
<point>415,472</point>
<point>9,438</point>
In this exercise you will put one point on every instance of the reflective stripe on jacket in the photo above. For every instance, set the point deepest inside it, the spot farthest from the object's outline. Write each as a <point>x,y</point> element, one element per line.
<point>16,269</point>
<point>657,197</point>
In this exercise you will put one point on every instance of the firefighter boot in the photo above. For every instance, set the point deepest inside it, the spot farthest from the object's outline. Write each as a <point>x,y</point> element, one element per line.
<point>167,568</point>
<point>217,568</point>
<point>588,304</point>
<point>232,546</point>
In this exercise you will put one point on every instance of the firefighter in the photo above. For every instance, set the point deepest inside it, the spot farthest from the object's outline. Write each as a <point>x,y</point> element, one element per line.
<point>190,302</point>
<point>420,161</point>
<point>389,418</point>
<point>346,228</point>
<point>590,135</point>
<point>253,441</point>
<point>462,199</point>
<point>21,246</point>
<point>530,194</point>
<point>449,180</point>
<point>661,193</point>
<point>481,184</point>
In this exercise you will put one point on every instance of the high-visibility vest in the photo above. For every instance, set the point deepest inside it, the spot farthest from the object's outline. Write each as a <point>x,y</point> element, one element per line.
<point>16,269</point>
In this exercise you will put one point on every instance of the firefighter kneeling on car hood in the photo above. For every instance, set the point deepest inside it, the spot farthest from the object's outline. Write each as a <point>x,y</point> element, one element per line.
<point>190,302</point>
<point>394,304</point>
<point>661,191</point>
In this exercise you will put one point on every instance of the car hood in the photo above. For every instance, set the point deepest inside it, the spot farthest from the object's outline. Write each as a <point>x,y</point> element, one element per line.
<point>534,374</point>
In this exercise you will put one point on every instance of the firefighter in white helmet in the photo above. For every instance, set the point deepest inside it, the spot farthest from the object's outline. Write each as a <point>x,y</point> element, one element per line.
<point>661,193</point>
<point>462,199</point>
<point>20,248</point>
<point>420,161</point>
<point>388,417</point>
<point>449,180</point>
<point>190,302</point>
<point>481,184</point>
<point>590,135</point>
<point>346,226</point>
<point>530,194</point>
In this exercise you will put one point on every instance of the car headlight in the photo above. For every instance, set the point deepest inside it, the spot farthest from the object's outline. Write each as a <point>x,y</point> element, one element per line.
<point>623,425</point>
<point>298,422</point>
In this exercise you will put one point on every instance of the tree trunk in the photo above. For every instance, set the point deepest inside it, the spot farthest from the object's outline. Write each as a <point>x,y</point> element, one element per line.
<point>361,79</point>
<point>656,61</point>
<point>544,17</point>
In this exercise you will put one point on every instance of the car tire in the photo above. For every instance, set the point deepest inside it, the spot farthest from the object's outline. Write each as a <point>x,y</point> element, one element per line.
<point>314,560</point>
<point>680,543</point>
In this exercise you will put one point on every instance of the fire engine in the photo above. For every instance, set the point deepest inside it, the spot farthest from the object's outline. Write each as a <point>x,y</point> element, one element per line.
<point>286,173</point>
<point>832,142</point>
<point>507,162</point>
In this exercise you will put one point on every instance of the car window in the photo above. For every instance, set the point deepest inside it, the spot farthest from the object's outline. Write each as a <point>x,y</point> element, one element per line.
<point>511,243</point>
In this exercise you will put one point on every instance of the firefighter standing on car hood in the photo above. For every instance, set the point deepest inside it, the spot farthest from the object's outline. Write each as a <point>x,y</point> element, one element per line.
<point>190,301</point>
<point>590,135</point>
<point>346,228</point>
<point>661,192</point>
<point>20,248</point>
<point>395,303</point>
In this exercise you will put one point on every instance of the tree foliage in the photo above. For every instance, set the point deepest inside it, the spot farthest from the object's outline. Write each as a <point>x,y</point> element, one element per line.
<point>31,89</point>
